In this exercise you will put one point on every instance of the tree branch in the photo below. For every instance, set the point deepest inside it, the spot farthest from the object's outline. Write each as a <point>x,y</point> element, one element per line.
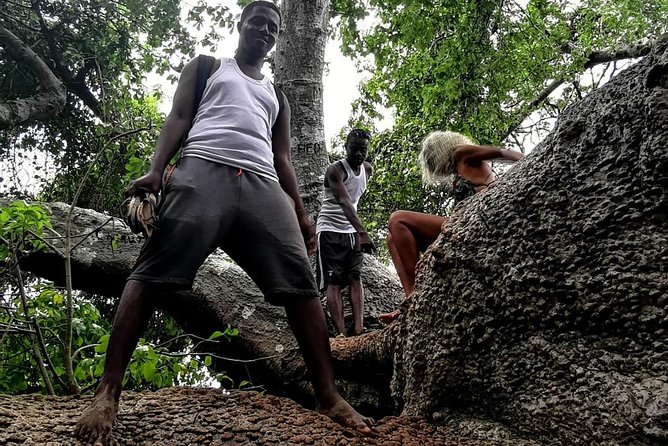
<point>639,49</point>
<point>41,106</point>
<point>75,84</point>
<point>612,55</point>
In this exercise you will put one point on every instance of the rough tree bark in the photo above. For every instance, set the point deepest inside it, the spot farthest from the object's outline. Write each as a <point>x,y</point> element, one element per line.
<point>299,61</point>
<point>188,416</point>
<point>543,304</point>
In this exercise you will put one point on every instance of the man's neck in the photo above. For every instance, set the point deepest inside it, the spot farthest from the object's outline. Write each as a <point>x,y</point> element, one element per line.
<point>250,66</point>
<point>355,169</point>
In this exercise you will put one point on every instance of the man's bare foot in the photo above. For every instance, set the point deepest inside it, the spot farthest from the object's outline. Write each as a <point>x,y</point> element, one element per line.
<point>95,423</point>
<point>344,414</point>
<point>389,317</point>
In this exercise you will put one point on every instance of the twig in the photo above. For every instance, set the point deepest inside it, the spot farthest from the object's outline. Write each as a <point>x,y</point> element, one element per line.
<point>224,358</point>
<point>36,348</point>
<point>91,233</point>
<point>73,387</point>
<point>42,344</point>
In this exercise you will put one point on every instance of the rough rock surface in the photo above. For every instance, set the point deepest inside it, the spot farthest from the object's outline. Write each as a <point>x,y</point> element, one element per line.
<point>188,416</point>
<point>543,304</point>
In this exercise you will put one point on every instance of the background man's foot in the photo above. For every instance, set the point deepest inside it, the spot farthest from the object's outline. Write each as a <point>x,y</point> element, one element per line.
<point>95,423</point>
<point>343,413</point>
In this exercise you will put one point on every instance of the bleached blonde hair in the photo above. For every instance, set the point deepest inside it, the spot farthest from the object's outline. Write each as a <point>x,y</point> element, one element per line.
<point>437,157</point>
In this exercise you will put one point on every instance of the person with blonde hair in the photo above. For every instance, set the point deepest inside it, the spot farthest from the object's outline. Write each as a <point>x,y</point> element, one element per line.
<point>445,156</point>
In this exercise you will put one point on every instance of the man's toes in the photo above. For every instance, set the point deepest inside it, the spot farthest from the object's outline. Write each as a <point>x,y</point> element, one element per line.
<point>365,429</point>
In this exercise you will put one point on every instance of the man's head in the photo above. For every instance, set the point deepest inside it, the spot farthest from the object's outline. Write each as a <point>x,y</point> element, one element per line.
<point>258,27</point>
<point>357,146</point>
<point>437,157</point>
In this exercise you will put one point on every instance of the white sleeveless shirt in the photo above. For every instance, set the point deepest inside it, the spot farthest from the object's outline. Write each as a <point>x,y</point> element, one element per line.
<point>331,217</point>
<point>234,120</point>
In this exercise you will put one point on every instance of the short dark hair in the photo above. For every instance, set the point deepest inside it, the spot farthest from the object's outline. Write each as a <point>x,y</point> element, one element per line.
<point>254,4</point>
<point>358,133</point>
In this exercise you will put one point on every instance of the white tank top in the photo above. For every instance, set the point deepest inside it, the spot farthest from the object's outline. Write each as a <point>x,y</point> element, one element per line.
<point>233,122</point>
<point>331,217</point>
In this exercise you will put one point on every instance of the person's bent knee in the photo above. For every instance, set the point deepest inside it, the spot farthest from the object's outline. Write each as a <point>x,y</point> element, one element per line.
<point>397,218</point>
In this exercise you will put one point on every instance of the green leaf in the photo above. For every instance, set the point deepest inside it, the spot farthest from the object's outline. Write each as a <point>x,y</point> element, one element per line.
<point>215,335</point>
<point>148,370</point>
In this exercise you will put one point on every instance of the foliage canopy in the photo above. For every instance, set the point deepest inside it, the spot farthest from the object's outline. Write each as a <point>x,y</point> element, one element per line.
<point>499,72</point>
<point>102,51</point>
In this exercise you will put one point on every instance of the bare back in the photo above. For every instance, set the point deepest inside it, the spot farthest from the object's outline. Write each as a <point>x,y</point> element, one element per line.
<point>480,175</point>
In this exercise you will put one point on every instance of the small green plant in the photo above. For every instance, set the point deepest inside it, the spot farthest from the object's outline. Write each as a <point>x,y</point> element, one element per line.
<point>22,228</point>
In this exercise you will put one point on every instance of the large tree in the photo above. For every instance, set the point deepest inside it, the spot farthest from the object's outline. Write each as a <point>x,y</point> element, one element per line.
<point>540,311</point>
<point>490,335</point>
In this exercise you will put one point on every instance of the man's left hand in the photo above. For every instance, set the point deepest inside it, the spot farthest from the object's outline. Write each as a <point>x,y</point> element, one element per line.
<point>308,232</point>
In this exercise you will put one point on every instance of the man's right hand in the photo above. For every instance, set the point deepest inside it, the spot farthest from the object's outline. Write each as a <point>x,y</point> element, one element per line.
<point>150,182</point>
<point>366,244</point>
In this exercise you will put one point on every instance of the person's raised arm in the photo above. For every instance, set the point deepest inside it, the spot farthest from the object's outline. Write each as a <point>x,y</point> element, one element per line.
<point>280,141</point>
<point>334,177</point>
<point>474,155</point>
<point>176,125</point>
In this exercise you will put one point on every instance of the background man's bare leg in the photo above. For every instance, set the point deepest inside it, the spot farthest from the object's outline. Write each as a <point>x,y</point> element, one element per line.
<point>357,304</point>
<point>335,306</point>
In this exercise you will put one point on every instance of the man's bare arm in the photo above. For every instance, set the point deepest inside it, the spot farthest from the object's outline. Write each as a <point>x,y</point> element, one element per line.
<point>176,125</point>
<point>334,177</point>
<point>287,178</point>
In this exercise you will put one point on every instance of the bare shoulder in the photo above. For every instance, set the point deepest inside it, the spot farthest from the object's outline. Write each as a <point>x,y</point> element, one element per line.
<point>334,170</point>
<point>368,168</point>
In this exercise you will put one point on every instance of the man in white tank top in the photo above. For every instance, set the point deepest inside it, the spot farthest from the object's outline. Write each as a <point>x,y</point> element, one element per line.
<point>239,193</point>
<point>341,235</point>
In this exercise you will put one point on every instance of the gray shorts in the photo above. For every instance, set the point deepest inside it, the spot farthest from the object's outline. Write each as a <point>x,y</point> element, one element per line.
<point>208,205</point>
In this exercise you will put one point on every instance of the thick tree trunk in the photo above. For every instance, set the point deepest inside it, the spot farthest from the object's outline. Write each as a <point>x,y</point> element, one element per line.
<point>299,62</point>
<point>543,304</point>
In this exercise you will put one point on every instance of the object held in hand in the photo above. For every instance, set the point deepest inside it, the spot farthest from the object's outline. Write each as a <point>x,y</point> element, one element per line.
<point>141,214</point>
